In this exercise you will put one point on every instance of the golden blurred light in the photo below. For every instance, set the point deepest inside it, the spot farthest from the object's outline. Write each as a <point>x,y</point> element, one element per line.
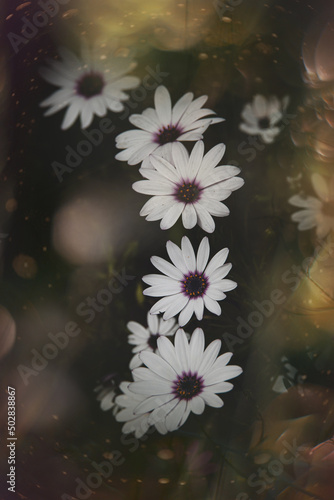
<point>166,454</point>
<point>7,331</point>
<point>25,266</point>
<point>23,6</point>
<point>324,62</point>
<point>70,13</point>
<point>163,480</point>
<point>314,299</point>
<point>168,25</point>
<point>11,205</point>
<point>86,228</point>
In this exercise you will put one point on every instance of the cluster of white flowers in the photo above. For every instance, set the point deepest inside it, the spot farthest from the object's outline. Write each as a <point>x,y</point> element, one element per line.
<point>183,377</point>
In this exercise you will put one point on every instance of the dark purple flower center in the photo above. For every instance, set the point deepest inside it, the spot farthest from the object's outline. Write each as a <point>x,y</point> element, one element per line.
<point>187,192</point>
<point>328,208</point>
<point>264,122</point>
<point>153,341</point>
<point>194,285</point>
<point>188,386</point>
<point>90,84</point>
<point>167,134</point>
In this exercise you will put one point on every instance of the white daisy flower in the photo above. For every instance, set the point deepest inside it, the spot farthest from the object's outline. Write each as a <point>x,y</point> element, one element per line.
<point>88,86</point>
<point>191,283</point>
<point>137,423</point>
<point>316,212</point>
<point>182,379</point>
<point>145,339</point>
<point>261,117</point>
<point>107,392</point>
<point>162,126</point>
<point>192,186</point>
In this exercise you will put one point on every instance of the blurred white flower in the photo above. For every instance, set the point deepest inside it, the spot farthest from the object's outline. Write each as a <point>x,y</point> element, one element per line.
<point>136,423</point>
<point>316,212</point>
<point>262,117</point>
<point>145,339</point>
<point>88,86</point>
<point>107,392</point>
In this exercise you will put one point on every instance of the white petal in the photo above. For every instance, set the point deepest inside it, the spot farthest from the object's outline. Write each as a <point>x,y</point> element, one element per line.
<point>196,158</point>
<point>158,279</point>
<point>155,387</point>
<point>176,256</point>
<point>260,106</point>
<point>203,254</point>
<point>217,260</point>
<point>143,123</point>
<point>86,115</point>
<point>180,158</point>
<point>163,105</point>
<point>164,303</point>
<point>220,273</point>
<point>226,285</point>
<point>153,323</point>
<point>167,268</point>
<point>213,157</point>
<point>205,221</point>
<point>198,308</point>
<point>165,168</point>
<point>153,188</point>
<point>197,405</point>
<point>162,290</point>
<point>222,374</point>
<point>188,254</point>
<point>209,357</point>
<point>308,202</point>
<point>182,350</point>
<point>181,106</point>
<point>71,114</point>
<point>212,399</point>
<point>212,305</point>
<point>187,313</point>
<point>189,216</point>
<point>172,215</point>
<point>215,293</point>
<point>149,404</point>
<point>160,212</point>
<point>167,352</point>
<point>175,415</point>
<point>158,365</point>
<point>179,303</point>
<point>220,387</point>
<point>196,349</point>
<point>142,153</point>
